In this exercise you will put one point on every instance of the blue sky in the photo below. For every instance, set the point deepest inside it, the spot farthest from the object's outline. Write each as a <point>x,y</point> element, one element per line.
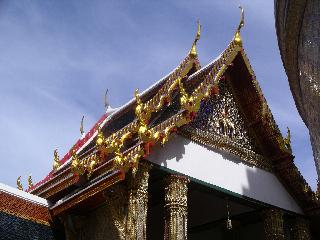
<point>57,58</point>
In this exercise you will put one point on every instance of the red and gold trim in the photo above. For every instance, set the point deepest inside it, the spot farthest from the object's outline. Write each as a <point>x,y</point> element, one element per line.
<point>25,209</point>
<point>88,192</point>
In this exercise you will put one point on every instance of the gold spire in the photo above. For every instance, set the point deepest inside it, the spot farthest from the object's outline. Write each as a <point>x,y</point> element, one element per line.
<point>106,102</point>
<point>81,126</point>
<point>287,140</point>
<point>237,37</point>
<point>193,51</point>
<point>19,185</point>
<point>56,161</point>
<point>30,184</point>
<point>137,96</point>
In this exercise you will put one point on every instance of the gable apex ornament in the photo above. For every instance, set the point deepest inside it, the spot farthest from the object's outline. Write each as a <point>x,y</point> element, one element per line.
<point>237,36</point>
<point>81,127</point>
<point>106,101</point>
<point>285,142</point>
<point>193,50</point>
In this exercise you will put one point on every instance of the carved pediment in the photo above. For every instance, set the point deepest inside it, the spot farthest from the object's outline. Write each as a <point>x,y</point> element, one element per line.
<point>220,124</point>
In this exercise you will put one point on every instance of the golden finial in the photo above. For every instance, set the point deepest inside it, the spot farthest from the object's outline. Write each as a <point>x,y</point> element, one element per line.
<point>56,161</point>
<point>193,51</point>
<point>30,184</point>
<point>287,140</point>
<point>19,185</point>
<point>81,126</point>
<point>106,102</point>
<point>237,37</point>
<point>137,96</point>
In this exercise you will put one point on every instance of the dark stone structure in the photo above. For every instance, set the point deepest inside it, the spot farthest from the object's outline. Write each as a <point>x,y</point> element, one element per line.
<point>298,30</point>
<point>15,228</point>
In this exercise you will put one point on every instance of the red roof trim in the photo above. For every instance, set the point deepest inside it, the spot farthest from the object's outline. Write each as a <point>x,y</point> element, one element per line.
<point>80,143</point>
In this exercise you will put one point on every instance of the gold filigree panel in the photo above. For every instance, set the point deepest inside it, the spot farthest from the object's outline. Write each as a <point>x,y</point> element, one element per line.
<point>219,123</point>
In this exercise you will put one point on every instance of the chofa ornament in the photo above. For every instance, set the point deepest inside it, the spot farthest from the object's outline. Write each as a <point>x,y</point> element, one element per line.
<point>30,183</point>
<point>19,185</point>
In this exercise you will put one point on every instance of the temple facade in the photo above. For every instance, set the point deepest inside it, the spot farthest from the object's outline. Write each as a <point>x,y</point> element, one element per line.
<point>197,155</point>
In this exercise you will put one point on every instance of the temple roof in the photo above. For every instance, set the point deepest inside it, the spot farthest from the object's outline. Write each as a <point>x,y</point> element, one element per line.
<point>122,138</point>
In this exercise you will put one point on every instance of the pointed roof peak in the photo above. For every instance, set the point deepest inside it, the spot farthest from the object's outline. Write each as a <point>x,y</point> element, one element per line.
<point>237,36</point>
<point>193,50</point>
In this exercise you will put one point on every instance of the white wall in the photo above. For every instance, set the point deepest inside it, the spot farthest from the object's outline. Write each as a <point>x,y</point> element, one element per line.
<point>223,170</point>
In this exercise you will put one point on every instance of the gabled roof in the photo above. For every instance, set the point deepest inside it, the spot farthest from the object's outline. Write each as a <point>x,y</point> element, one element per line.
<point>116,120</point>
<point>126,136</point>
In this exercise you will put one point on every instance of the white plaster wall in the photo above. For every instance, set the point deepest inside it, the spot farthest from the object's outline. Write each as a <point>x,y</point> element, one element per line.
<point>223,170</point>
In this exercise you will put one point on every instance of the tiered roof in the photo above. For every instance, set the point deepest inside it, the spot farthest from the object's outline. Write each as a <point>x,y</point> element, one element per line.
<point>119,140</point>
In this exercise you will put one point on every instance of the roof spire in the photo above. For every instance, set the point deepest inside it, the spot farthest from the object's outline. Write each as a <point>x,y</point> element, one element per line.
<point>19,185</point>
<point>106,102</point>
<point>30,184</point>
<point>287,140</point>
<point>137,96</point>
<point>81,127</point>
<point>193,50</point>
<point>237,37</point>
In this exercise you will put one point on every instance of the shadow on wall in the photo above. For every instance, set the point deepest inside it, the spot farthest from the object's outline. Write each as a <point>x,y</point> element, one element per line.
<point>175,148</point>
<point>266,187</point>
<point>174,151</point>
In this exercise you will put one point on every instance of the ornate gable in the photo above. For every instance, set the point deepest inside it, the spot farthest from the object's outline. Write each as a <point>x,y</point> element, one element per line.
<point>220,124</point>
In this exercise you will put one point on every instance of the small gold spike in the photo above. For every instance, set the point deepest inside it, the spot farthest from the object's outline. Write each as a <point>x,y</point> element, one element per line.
<point>193,51</point>
<point>81,126</point>
<point>19,185</point>
<point>287,140</point>
<point>106,102</point>
<point>56,161</point>
<point>237,37</point>
<point>30,184</point>
<point>137,96</point>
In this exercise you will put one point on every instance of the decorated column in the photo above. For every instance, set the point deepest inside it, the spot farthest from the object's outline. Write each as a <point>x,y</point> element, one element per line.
<point>127,203</point>
<point>116,214</point>
<point>138,203</point>
<point>273,224</point>
<point>176,208</point>
<point>301,230</point>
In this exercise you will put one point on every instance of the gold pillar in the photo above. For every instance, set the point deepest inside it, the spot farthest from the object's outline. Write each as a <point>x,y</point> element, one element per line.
<point>176,208</point>
<point>128,204</point>
<point>273,224</point>
<point>301,230</point>
<point>116,200</point>
<point>138,203</point>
